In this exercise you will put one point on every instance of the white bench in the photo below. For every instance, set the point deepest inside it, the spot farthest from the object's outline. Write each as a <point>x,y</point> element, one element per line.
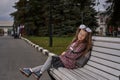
<point>104,63</point>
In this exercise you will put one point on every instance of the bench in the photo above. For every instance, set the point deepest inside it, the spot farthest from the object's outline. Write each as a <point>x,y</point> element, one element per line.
<point>104,63</point>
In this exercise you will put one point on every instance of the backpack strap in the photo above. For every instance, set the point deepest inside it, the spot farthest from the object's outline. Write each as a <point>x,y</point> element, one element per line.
<point>83,59</point>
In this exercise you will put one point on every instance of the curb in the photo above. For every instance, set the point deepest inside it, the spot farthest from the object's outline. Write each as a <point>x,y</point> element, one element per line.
<point>40,49</point>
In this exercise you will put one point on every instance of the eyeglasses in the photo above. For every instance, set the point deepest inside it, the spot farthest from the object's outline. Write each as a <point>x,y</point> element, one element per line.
<point>82,26</point>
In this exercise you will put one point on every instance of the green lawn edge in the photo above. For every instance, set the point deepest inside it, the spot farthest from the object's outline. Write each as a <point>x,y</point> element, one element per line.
<point>59,43</point>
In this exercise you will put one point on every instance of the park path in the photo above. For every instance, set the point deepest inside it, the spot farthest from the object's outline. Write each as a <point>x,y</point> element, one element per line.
<point>15,54</point>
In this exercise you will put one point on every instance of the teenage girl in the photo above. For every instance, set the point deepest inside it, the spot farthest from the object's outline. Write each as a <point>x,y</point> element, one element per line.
<point>80,45</point>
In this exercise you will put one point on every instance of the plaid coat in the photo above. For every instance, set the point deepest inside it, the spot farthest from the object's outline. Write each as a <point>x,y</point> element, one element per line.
<point>72,54</point>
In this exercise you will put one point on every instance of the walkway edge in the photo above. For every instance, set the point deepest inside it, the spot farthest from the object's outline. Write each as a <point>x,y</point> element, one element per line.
<point>40,49</point>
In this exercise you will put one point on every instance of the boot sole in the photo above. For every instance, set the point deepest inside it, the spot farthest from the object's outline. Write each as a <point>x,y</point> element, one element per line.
<point>24,73</point>
<point>36,76</point>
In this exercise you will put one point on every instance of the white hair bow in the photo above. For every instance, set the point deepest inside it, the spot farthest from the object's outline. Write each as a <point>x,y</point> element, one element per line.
<point>82,26</point>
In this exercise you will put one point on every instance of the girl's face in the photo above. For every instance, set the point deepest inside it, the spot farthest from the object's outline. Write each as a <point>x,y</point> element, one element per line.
<point>82,35</point>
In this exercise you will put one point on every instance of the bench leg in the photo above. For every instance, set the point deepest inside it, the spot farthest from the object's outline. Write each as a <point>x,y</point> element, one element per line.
<point>52,78</point>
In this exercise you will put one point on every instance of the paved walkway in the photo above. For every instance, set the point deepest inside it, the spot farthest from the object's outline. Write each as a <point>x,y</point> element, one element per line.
<point>15,54</point>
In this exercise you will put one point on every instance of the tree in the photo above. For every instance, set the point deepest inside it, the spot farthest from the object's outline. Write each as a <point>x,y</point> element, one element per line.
<point>20,14</point>
<point>114,11</point>
<point>67,15</point>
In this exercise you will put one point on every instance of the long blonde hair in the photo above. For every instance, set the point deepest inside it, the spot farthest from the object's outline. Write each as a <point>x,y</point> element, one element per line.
<point>87,40</point>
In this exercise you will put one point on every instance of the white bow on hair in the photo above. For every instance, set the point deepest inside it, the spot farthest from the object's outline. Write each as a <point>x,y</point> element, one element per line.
<point>82,26</point>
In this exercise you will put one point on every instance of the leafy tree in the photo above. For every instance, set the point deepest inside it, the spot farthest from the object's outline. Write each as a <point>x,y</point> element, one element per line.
<point>113,11</point>
<point>67,15</point>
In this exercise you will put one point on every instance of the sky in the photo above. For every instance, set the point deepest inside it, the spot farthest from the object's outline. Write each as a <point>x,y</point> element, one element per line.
<point>100,7</point>
<point>6,8</point>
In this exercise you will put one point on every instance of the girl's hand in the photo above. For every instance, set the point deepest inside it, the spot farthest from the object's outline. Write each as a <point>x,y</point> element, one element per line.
<point>63,53</point>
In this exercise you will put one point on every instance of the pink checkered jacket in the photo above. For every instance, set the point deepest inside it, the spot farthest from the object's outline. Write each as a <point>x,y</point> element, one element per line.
<point>73,53</point>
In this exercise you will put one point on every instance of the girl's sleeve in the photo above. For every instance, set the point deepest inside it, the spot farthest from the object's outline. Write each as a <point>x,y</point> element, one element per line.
<point>80,48</point>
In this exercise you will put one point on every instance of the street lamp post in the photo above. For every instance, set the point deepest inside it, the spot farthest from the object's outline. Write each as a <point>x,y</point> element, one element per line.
<point>50,25</point>
<point>25,23</point>
<point>82,17</point>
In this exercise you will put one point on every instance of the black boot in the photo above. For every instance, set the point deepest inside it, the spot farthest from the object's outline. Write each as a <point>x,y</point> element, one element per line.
<point>37,75</point>
<point>26,71</point>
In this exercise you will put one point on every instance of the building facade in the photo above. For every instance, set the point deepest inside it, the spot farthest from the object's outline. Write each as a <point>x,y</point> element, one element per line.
<point>6,27</point>
<point>101,19</point>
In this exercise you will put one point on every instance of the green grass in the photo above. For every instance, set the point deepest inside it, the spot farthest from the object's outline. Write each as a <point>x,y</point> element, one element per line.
<point>59,43</point>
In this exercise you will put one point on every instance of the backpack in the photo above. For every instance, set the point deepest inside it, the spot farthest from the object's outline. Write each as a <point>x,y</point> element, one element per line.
<point>82,61</point>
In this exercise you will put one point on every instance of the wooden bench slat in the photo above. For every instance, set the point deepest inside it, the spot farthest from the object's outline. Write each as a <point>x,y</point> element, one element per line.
<point>108,39</point>
<point>107,57</point>
<point>110,77</point>
<point>106,44</point>
<point>59,74</point>
<point>93,74</point>
<point>105,62</point>
<point>104,68</point>
<point>105,50</point>
<point>55,75</point>
<point>71,75</point>
<point>83,74</point>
